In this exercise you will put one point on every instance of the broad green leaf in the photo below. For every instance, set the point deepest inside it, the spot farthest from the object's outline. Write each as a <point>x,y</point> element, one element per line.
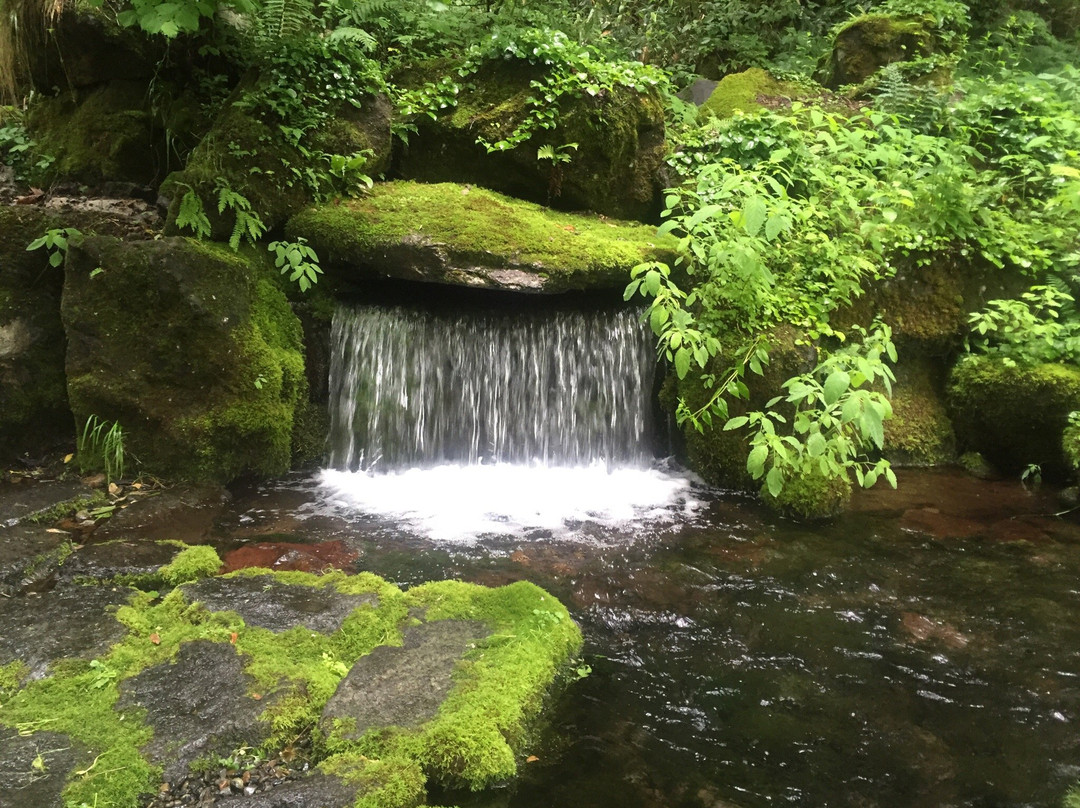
<point>755,462</point>
<point>735,423</point>
<point>682,362</point>
<point>754,215</point>
<point>815,446</point>
<point>775,481</point>
<point>835,386</point>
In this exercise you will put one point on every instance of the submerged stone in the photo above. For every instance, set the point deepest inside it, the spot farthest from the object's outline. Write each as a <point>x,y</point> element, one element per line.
<point>315,791</point>
<point>467,236</point>
<point>29,558</point>
<point>403,686</point>
<point>74,623</point>
<point>198,705</point>
<point>277,606</point>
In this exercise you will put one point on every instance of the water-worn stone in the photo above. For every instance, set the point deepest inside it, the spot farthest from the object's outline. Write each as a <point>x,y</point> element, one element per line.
<point>465,236</point>
<point>270,604</point>
<point>38,501</point>
<point>403,686</point>
<point>198,706</point>
<point>184,513</point>
<point>71,623</point>
<point>106,561</point>
<point>315,791</point>
<point>34,768</point>
<point>29,558</point>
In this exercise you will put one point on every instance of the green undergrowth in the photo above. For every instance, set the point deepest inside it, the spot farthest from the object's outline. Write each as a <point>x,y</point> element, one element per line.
<point>472,742</point>
<point>66,508</point>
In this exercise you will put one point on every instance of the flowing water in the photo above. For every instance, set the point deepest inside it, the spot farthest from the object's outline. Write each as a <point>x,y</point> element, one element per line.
<point>922,650</point>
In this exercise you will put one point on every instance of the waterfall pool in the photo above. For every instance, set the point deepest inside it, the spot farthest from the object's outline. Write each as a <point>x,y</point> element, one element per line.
<point>922,650</point>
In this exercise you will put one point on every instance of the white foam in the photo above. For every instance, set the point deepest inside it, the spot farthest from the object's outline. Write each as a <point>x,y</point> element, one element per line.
<point>462,503</point>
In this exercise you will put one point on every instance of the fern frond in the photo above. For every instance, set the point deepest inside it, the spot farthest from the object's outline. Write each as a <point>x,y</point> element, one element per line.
<point>192,214</point>
<point>282,20</point>
<point>357,36</point>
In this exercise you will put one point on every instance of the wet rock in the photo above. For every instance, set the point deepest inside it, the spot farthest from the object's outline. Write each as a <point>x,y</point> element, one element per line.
<point>292,556</point>
<point>29,558</point>
<point>186,513</point>
<point>41,501</point>
<point>71,623</point>
<point>403,686</point>
<point>922,629</point>
<point>315,791</point>
<point>34,768</point>
<point>198,706</point>
<point>270,604</point>
<point>107,561</point>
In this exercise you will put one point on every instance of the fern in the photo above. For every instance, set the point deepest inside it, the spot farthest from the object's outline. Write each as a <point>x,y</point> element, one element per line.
<point>247,225</point>
<point>358,36</point>
<point>282,20</point>
<point>192,214</point>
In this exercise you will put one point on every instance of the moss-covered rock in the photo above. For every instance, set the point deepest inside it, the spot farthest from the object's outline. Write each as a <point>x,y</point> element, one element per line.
<point>920,432</point>
<point>1070,445</point>
<point>192,348</point>
<point>455,234</point>
<point>170,678</point>
<point>870,41</point>
<point>616,170</point>
<point>747,91</point>
<point>810,496</point>
<point>1014,415</point>
<point>247,154</point>
<point>34,411</point>
<point>104,133</point>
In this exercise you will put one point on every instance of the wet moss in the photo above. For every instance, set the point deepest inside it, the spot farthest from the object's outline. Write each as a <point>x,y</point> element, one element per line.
<point>106,135</point>
<point>1014,415</point>
<point>1070,444</point>
<point>387,783</point>
<point>477,227</point>
<point>191,564</point>
<point>810,496</point>
<point>745,91</point>
<point>920,432</point>
<point>67,508</point>
<point>11,676</point>
<point>870,41</point>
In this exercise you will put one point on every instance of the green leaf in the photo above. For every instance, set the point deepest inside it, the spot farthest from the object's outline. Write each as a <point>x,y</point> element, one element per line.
<point>774,481</point>
<point>735,423</point>
<point>755,462</point>
<point>682,362</point>
<point>835,386</point>
<point>815,446</point>
<point>754,214</point>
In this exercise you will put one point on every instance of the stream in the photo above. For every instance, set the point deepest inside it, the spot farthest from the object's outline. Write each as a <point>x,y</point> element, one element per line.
<point>920,651</point>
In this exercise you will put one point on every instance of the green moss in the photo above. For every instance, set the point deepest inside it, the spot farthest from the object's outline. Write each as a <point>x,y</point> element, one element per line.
<point>198,355</point>
<point>387,783</point>
<point>1072,798</point>
<point>499,688</point>
<point>66,508</point>
<point>1014,415</point>
<point>1070,444</point>
<point>472,741</point>
<point>191,564</point>
<point>919,433</point>
<point>975,465</point>
<point>810,496</point>
<point>107,135</point>
<point>11,676</point>
<point>742,91</point>
<point>476,227</point>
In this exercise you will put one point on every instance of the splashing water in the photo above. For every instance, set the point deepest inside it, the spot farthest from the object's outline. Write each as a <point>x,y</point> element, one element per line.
<point>464,425</point>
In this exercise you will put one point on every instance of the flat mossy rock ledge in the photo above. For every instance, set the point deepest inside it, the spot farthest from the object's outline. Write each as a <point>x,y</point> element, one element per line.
<point>140,692</point>
<point>463,235</point>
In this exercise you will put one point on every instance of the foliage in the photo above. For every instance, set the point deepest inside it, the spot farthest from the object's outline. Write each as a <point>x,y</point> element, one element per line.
<point>1040,326</point>
<point>297,259</point>
<point>56,242</point>
<point>18,149</point>
<point>101,448</point>
<point>838,417</point>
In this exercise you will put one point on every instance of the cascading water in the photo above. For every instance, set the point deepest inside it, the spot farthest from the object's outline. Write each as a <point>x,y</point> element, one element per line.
<point>494,422</point>
<point>411,388</point>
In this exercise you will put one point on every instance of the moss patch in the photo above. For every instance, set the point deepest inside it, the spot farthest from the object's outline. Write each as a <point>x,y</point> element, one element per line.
<point>745,91</point>
<point>191,564</point>
<point>471,236</point>
<point>919,433</point>
<point>1014,415</point>
<point>1070,444</point>
<point>473,740</point>
<point>810,496</point>
<point>11,676</point>
<point>67,508</point>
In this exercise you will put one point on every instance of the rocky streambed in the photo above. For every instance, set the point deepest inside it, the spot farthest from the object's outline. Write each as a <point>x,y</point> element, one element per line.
<point>133,674</point>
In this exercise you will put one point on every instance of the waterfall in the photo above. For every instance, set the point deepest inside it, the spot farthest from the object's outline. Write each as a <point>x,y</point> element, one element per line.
<point>415,388</point>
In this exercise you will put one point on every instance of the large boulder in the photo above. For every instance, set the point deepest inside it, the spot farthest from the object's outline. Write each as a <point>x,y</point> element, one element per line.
<point>467,236</point>
<point>748,91</point>
<point>617,168</point>
<point>1014,415</point>
<point>191,348</point>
